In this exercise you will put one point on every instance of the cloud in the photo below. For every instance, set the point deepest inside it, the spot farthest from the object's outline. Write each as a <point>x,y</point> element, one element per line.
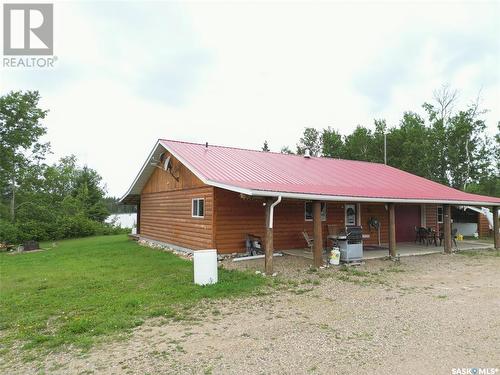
<point>240,73</point>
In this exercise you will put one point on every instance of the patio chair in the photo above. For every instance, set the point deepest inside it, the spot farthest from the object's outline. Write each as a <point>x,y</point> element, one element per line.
<point>431,236</point>
<point>421,235</point>
<point>309,240</point>
<point>453,237</point>
<point>253,244</point>
<point>333,232</point>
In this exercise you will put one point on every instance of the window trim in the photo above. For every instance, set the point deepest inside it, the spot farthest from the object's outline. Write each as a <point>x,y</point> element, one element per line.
<point>442,215</point>
<point>323,218</point>
<point>197,208</point>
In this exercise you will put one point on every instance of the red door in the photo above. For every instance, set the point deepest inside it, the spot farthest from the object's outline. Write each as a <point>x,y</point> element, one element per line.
<point>407,218</point>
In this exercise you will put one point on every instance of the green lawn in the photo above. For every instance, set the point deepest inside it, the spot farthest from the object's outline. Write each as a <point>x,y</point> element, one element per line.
<point>94,287</point>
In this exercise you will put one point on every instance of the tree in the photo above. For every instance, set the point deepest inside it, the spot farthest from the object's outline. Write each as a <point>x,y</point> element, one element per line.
<point>358,144</point>
<point>332,145</point>
<point>20,146</point>
<point>488,183</point>
<point>286,150</point>
<point>468,151</point>
<point>439,113</point>
<point>89,192</point>
<point>446,146</point>
<point>310,140</point>
<point>115,207</point>
<point>265,147</point>
<point>377,147</point>
<point>408,145</point>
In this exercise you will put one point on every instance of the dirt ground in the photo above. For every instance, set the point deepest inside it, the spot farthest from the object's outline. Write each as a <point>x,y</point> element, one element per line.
<point>428,314</point>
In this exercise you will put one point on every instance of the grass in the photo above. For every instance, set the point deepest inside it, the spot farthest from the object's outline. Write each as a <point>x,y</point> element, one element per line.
<point>360,277</point>
<point>91,288</point>
<point>481,239</point>
<point>480,253</point>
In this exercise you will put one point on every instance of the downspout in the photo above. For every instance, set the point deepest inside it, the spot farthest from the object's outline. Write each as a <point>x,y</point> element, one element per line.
<point>271,213</point>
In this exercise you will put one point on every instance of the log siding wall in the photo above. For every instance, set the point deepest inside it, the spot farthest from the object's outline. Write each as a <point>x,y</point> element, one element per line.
<point>483,227</point>
<point>166,216</point>
<point>166,209</point>
<point>431,217</point>
<point>236,217</point>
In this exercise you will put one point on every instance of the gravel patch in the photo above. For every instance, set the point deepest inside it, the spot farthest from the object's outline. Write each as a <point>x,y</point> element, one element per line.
<point>426,314</point>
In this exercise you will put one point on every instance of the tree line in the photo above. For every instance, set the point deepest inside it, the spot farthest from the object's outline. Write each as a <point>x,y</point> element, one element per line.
<point>40,201</point>
<point>445,145</point>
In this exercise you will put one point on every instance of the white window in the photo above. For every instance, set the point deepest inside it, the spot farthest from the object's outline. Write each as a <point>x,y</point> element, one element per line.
<point>440,214</point>
<point>198,207</point>
<point>350,214</point>
<point>308,207</point>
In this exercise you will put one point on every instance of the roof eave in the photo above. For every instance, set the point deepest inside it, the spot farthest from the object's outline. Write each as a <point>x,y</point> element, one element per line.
<point>142,170</point>
<point>342,198</point>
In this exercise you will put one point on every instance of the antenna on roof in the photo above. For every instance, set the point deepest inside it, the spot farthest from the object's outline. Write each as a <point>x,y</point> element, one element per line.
<point>206,144</point>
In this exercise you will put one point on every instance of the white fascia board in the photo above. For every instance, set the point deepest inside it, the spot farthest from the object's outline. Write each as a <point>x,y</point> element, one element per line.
<point>139,175</point>
<point>188,165</point>
<point>341,198</point>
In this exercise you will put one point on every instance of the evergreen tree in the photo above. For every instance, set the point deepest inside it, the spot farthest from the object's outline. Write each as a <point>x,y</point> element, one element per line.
<point>265,147</point>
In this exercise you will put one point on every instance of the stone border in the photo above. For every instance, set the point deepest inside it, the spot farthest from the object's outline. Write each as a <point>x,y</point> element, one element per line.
<point>174,249</point>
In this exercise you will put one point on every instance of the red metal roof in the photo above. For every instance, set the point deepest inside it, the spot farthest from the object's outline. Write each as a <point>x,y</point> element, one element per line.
<point>259,171</point>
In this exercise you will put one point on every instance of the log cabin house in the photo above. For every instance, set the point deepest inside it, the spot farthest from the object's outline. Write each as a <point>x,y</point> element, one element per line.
<point>199,196</point>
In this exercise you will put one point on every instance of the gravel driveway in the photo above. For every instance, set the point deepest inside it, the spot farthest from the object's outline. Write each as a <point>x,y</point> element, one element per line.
<point>428,314</point>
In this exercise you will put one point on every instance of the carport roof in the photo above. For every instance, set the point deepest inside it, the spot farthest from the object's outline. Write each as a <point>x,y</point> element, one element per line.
<point>259,173</point>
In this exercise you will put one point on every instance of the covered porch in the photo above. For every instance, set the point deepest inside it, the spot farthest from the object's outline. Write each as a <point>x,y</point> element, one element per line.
<point>396,235</point>
<point>404,249</point>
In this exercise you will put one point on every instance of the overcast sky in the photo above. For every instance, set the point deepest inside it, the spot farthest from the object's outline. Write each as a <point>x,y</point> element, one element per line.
<point>241,73</point>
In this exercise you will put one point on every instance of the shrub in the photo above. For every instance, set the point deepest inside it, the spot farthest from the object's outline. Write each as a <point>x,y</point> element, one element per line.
<point>64,227</point>
<point>9,232</point>
<point>76,226</point>
<point>33,230</point>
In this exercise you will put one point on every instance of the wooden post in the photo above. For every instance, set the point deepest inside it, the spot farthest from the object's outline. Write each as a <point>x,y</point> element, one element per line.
<point>269,246</point>
<point>447,228</point>
<point>318,235</point>
<point>496,233</point>
<point>392,230</point>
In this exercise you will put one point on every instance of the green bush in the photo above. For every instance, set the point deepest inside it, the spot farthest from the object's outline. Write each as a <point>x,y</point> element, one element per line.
<point>76,226</point>
<point>33,230</point>
<point>65,227</point>
<point>9,232</point>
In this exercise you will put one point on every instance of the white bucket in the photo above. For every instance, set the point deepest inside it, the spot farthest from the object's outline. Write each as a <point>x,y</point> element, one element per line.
<point>205,266</point>
<point>335,256</point>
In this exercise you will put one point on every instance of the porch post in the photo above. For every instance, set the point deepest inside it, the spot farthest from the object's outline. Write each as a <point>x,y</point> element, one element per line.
<point>447,228</point>
<point>269,246</point>
<point>392,230</point>
<point>318,236</point>
<point>496,233</point>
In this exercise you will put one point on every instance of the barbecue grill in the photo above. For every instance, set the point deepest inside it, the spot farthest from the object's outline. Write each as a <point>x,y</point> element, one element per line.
<point>351,245</point>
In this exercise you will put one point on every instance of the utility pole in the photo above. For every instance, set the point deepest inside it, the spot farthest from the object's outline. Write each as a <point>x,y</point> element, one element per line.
<point>385,149</point>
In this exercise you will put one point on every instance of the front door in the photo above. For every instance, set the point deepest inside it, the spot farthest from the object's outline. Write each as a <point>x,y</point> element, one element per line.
<point>407,218</point>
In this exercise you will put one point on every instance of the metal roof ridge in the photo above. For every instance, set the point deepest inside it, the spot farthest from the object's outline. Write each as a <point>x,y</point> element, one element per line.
<point>274,152</point>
